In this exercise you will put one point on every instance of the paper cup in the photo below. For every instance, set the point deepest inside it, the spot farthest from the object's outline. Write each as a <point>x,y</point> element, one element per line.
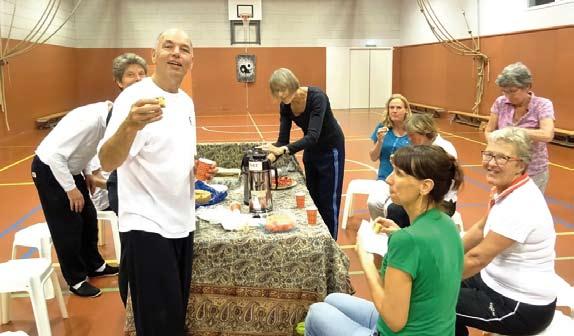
<point>203,167</point>
<point>300,200</point>
<point>312,215</point>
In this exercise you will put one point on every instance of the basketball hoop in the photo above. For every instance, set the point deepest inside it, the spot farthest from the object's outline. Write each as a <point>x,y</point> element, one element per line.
<point>245,18</point>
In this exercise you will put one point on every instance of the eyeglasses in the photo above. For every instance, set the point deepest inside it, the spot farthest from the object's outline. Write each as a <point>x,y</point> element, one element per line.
<point>499,159</point>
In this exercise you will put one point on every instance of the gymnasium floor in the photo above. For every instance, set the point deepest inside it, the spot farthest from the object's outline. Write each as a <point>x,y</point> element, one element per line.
<point>20,207</point>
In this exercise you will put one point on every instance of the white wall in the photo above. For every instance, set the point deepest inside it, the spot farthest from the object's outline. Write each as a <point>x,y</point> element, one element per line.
<point>27,14</point>
<point>135,23</point>
<point>485,17</point>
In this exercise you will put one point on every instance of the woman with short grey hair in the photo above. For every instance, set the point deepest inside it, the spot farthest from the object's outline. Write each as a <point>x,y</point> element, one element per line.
<point>519,107</point>
<point>509,254</point>
<point>323,143</point>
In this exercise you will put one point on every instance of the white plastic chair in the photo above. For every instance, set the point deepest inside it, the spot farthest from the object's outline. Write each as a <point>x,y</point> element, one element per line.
<point>457,219</point>
<point>37,236</point>
<point>358,186</point>
<point>112,219</point>
<point>561,325</point>
<point>30,275</point>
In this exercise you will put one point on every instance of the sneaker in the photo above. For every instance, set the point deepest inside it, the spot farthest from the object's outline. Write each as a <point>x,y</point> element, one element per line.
<point>86,290</point>
<point>108,271</point>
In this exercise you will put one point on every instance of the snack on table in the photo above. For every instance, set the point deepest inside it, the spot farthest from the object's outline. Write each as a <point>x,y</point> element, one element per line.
<point>161,101</point>
<point>279,223</point>
<point>201,196</point>
<point>284,181</point>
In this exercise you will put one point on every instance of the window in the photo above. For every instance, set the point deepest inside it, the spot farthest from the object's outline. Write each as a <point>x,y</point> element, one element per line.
<point>532,3</point>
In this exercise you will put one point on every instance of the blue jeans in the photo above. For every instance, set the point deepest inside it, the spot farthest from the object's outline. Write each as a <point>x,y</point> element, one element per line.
<point>341,314</point>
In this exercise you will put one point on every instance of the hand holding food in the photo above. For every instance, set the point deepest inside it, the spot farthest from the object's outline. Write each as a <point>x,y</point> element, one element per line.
<point>143,112</point>
<point>384,225</point>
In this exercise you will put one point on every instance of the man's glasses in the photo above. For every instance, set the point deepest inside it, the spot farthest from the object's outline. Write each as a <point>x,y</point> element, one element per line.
<point>499,159</point>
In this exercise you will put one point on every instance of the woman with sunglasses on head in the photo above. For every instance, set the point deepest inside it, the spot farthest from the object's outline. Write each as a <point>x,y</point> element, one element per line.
<point>416,289</point>
<point>519,107</point>
<point>509,261</point>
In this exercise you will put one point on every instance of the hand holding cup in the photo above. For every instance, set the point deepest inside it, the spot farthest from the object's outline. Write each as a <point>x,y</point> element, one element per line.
<point>381,131</point>
<point>205,169</point>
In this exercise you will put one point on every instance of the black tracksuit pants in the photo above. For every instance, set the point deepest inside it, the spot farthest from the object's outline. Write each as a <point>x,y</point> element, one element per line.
<point>324,169</point>
<point>75,235</point>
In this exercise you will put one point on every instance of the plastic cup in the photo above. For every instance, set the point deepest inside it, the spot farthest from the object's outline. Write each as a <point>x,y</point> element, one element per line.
<point>300,200</point>
<point>203,167</point>
<point>312,215</point>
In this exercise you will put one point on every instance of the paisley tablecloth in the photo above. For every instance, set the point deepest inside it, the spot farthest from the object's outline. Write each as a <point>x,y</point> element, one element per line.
<point>258,283</point>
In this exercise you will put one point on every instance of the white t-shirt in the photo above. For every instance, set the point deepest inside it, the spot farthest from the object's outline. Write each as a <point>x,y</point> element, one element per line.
<point>452,194</point>
<point>155,182</point>
<point>70,146</point>
<point>525,271</point>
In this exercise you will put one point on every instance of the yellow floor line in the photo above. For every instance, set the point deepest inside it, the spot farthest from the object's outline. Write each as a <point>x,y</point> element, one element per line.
<point>566,233</point>
<point>16,184</point>
<point>356,273</point>
<point>347,247</point>
<point>484,144</point>
<point>110,261</point>
<point>564,258</point>
<point>471,165</point>
<point>17,162</point>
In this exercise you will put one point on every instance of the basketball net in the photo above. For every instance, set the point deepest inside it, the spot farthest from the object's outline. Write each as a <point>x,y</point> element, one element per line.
<point>245,19</point>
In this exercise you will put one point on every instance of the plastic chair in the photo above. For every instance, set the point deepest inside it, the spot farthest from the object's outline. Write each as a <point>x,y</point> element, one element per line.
<point>30,275</point>
<point>457,219</point>
<point>37,236</point>
<point>561,325</point>
<point>358,186</point>
<point>110,217</point>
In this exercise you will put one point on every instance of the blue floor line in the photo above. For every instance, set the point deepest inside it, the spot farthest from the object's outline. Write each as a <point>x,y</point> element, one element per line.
<point>19,222</point>
<point>28,254</point>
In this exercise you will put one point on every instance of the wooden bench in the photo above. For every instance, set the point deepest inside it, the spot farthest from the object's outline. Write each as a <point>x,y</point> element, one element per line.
<point>422,108</point>
<point>468,118</point>
<point>563,137</point>
<point>50,120</point>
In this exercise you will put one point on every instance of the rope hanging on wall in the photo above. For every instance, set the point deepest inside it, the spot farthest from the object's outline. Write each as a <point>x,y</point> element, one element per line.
<point>456,46</point>
<point>34,38</point>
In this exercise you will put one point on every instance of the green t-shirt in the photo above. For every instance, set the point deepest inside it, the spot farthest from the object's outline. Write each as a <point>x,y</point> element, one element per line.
<point>431,251</point>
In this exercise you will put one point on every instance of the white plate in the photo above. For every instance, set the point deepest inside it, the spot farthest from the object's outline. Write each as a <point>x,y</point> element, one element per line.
<point>213,214</point>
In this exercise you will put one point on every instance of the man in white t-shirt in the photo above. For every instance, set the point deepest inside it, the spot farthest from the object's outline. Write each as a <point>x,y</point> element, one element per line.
<point>64,180</point>
<point>151,140</point>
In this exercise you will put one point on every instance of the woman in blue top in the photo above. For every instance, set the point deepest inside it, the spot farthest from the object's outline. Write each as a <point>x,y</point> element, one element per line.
<point>388,136</point>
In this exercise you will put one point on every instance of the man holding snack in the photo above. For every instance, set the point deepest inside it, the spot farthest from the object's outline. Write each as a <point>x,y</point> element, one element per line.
<point>152,143</point>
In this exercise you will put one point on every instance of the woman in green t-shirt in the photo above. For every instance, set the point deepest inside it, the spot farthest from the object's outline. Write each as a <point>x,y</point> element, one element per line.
<point>417,288</point>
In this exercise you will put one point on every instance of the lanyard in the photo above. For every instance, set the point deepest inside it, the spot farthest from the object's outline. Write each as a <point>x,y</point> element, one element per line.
<point>517,183</point>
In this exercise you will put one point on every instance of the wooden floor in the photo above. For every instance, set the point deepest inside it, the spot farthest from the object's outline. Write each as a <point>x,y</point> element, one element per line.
<point>20,207</point>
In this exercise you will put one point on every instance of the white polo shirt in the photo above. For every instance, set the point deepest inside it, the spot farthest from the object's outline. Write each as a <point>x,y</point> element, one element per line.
<point>155,182</point>
<point>451,195</point>
<point>525,271</point>
<point>70,146</point>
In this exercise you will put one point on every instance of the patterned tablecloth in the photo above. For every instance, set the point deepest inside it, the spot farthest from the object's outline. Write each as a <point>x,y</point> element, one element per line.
<point>258,283</point>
